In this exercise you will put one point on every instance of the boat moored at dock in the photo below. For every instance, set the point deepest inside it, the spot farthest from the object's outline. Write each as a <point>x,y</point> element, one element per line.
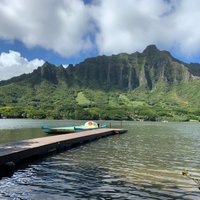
<point>71,129</point>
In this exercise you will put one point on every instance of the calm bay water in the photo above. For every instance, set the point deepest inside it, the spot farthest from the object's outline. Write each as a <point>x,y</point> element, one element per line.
<point>145,163</point>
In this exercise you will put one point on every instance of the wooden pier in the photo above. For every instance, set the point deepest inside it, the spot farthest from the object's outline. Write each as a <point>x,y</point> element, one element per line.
<point>14,153</point>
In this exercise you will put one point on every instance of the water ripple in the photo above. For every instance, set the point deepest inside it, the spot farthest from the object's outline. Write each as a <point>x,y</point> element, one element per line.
<point>145,163</point>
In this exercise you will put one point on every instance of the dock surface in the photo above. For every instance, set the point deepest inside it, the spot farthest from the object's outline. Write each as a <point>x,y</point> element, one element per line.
<point>17,152</point>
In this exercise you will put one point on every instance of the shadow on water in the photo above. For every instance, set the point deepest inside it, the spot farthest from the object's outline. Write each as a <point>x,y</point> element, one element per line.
<point>13,135</point>
<point>10,160</point>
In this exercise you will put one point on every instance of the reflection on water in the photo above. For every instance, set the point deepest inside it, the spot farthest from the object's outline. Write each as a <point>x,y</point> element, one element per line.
<point>20,134</point>
<point>20,129</point>
<point>145,163</point>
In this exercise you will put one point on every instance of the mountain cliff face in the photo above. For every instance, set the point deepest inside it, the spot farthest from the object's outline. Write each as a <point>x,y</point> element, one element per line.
<point>123,71</point>
<point>151,83</point>
<point>129,71</point>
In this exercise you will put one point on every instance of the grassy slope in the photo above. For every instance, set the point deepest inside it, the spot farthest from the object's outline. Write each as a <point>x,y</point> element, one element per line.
<point>179,102</point>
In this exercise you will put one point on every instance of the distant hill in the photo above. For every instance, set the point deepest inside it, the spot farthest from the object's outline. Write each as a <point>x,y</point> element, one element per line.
<point>151,85</point>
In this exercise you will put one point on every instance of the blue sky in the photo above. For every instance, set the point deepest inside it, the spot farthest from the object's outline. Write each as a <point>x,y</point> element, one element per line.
<point>68,31</point>
<point>44,54</point>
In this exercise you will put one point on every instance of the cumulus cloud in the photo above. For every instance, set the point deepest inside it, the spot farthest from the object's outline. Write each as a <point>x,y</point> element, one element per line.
<point>112,26</point>
<point>130,25</point>
<point>13,64</point>
<point>186,28</point>
<point>63,26</point>
<point>65,65</point>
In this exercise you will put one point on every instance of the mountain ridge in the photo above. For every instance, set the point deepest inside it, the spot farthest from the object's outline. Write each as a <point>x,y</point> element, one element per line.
<point>133,70</point>
<point>150,85</point>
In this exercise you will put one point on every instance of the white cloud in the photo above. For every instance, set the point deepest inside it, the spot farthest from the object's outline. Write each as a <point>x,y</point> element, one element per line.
<point>187,30</point>
<point>65,65</point>
<point>131,25</point>
<point>13,64</point>
<point>62,26</point>
<point>128,25</point>
<point>113,26</point>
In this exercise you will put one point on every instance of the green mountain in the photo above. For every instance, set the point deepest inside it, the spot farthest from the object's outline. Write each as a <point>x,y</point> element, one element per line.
<point>151,85</point>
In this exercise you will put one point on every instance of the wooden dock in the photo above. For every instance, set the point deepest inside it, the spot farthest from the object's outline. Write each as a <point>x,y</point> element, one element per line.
<point>14,153</point>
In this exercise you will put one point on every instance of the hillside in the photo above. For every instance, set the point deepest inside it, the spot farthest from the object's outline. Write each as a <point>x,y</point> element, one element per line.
<point>151,85</point>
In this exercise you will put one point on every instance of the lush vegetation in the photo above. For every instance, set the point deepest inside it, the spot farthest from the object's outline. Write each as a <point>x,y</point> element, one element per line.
<point>62,103</point>
<point>148,86</point>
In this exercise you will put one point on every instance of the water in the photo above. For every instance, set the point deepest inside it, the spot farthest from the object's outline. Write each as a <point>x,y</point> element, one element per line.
<point>18,129</point>
<point>145,163</point>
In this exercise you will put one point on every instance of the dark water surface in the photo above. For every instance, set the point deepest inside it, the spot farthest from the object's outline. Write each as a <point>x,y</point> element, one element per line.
<point>145,163</point>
